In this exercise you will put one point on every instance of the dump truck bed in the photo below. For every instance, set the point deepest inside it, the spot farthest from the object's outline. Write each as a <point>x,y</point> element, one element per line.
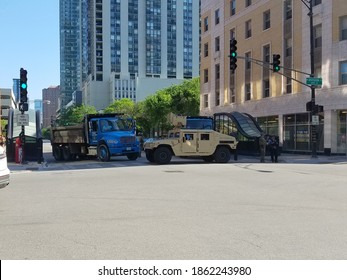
<point>68,134</point>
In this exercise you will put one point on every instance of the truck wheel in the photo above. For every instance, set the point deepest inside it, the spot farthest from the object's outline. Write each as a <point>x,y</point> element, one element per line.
<point>222,155</point>
<point>103,153</point>
<point>162,155</point>
<point>66,153</point>
<point>133,156</point>
<point>149,155</point>
<point>57,153</point>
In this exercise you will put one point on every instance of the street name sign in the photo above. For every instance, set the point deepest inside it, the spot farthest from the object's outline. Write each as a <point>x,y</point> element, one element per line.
<point>23,119</point>
<point>313,81</point>
<point>315,120</point>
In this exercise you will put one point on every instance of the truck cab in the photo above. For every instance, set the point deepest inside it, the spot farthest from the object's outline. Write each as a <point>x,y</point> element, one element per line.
<point>113,135</point>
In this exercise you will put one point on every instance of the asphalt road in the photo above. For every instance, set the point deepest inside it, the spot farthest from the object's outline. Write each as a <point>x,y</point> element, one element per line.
<point>185,210</point>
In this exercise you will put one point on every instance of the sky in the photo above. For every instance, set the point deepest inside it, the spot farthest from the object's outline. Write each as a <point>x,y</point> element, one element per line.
<point>29,39</point>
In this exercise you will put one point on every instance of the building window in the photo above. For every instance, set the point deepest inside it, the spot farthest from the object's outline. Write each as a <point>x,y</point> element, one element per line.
<point>217,98</point>
<point>289,85</point>
<point>288,47</point>
<point>288,9</point>
<point>248,3</point>
<point>343,28</point>
<point>247,91</point>
<point>232,33</point>
<point>217,69</point>
<point>266,53</point>
<point>316,2</point>
<point>269,124</point>
<point>206,101</point>
<point>248,29</point>
<point>248,62</point>
<point>217,44</point>
<point>205,76</point>
<point>206,49</point>
<point>217,16</point>
<point>266,88</point>
<point>206,24</point>
<point>232,7</point>
<point>343,73</point>
<point>266,20</point>
<point>317,33</point>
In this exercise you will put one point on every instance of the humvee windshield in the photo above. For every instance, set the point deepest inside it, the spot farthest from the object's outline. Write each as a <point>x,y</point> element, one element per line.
<point>199,123</point>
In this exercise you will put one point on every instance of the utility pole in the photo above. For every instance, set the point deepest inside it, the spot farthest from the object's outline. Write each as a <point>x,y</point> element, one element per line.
<point>314,108</point>
<point>313,89</point>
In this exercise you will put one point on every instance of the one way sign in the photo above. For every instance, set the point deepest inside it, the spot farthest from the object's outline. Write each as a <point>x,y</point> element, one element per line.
<point>23,107</point>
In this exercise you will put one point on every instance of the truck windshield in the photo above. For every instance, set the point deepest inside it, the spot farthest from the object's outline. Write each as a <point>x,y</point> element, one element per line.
<point>116,125</point>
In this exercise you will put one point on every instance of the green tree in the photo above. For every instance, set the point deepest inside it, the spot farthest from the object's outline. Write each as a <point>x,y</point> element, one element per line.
<point>74,114</point>
<point>185,98</point>
<point>143,122</point>
<point>181,99</point>
<point>124,105</point>
<point>157,108</point>
<point>46,133</point>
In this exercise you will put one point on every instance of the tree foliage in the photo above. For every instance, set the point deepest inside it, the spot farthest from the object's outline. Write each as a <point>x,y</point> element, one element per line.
<point>183,99</point>
<point>125,106</point>
<point>74,114</point>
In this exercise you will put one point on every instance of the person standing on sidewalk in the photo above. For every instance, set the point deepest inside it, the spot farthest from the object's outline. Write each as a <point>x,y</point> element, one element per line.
<point>273,146</point>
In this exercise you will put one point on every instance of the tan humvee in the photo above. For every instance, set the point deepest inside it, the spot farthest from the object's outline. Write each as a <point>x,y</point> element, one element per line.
<point>208,144</point>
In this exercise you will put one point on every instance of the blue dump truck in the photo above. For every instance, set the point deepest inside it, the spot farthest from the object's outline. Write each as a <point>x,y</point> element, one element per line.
<point>100,135</point>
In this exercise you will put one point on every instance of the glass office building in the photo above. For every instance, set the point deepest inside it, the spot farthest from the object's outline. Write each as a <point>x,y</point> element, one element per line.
<point>127,48</point>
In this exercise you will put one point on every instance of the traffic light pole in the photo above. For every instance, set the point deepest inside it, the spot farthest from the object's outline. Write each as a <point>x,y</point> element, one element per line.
<point>23,105</point>
<point>313,89</point>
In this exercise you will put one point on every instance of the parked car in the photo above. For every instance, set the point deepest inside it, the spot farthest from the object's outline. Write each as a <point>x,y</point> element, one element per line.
<point>4,171</point>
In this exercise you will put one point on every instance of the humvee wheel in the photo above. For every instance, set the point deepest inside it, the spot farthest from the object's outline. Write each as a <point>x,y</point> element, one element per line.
<point>222,155</point>
<point>149,155</point>
<point>162,155</point>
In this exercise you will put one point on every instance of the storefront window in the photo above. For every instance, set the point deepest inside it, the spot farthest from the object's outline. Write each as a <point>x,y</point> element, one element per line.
<point>302,137</point>
<point>269,124</point>
<point>288,137</point>
<point>297,133</point>
<point>341,132</point>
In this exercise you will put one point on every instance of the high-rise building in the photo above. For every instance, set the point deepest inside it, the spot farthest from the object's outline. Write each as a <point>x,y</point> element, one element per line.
<point>16,89</point>
<point>50,104</point>
<point>70,12</point>
<point>278,100</point>
<point>128,48</point>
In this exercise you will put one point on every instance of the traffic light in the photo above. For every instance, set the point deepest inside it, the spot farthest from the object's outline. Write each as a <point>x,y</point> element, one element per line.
<point>276,62</point>
<point>315,109</point>
<point>233,55</point>
<point>23,86</point>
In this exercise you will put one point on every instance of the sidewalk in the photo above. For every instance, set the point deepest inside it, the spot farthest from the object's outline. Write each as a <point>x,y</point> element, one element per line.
<point>297,159</point>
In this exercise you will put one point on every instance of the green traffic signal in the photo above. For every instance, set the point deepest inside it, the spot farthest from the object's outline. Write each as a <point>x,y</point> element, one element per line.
<point>233,55</point>
<point>23,86</point>
<point>276,62</point>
